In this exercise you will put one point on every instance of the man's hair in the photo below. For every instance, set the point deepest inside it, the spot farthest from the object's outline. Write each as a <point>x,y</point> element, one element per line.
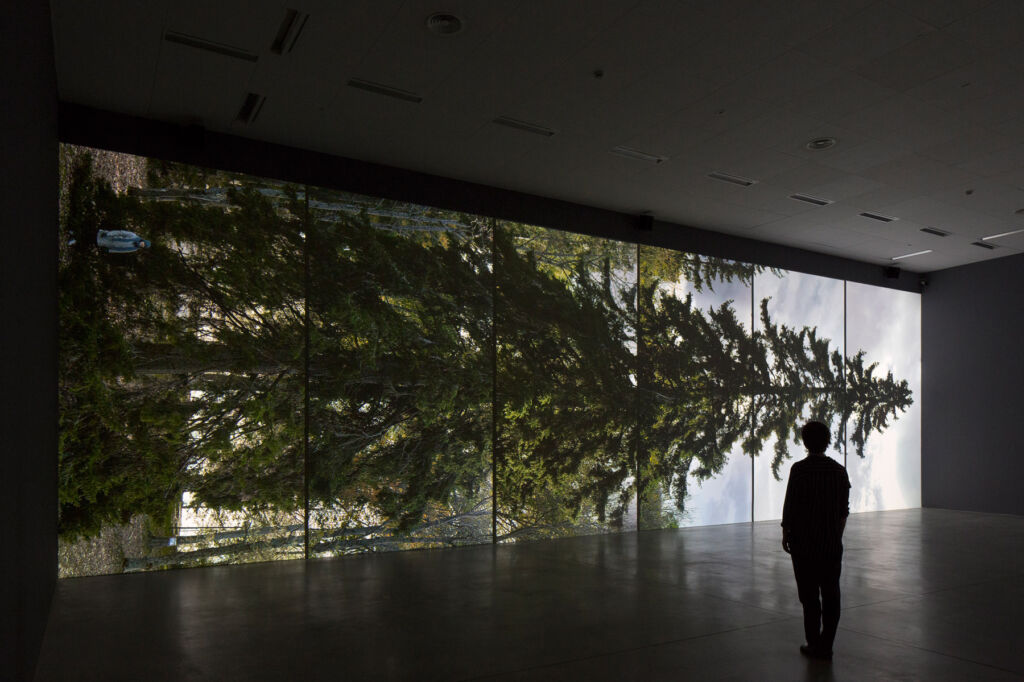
<point>816,436</point>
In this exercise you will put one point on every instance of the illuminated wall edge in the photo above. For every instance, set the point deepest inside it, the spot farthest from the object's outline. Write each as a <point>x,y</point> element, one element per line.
<point>144,137</point>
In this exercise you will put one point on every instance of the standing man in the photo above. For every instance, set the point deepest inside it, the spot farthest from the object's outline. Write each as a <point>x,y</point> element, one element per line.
<point>813,520</point>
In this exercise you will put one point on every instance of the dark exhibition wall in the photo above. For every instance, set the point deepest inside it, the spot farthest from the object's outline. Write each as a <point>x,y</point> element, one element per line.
<point>972,325</point>
<point>28,415</point>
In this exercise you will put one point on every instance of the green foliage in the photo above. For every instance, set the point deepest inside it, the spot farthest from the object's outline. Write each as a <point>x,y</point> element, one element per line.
<point>188,367</point>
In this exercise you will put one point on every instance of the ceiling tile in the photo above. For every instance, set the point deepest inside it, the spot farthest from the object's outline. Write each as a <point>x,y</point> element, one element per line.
<point>857,158</point>
<point>195,86</point>
<point>986,197</point>
<point>1000,162</point>
<point>408,56</point>
<point>922,59</point>
<point>932,212</point>
<point>725,155</point>
<point>667,138</point>
<point>643,103</point>
<point>839,97</point>
<point>903,122</point>
<point>970,142</point>
<point>968,84</point>
<point>999,26</point>
<point>785,77</point>
<point>865,36</point>
<point>918,174</point>
<point>939,12</point>
<point>107,64</point>
<point>1012,130</point>
<point>247,25</point>
<point>845,187</point>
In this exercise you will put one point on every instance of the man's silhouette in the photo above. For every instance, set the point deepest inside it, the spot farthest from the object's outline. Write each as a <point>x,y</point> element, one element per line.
<point>813,520</point>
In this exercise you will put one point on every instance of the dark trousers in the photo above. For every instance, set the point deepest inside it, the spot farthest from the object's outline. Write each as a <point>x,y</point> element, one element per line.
<point>814,575</point>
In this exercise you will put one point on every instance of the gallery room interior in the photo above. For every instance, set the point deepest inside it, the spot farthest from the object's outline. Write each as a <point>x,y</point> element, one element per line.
<point>391,339</point>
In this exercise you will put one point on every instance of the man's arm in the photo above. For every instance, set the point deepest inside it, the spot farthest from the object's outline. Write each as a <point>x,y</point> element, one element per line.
<point>787,516</point>
<point>844,511</point>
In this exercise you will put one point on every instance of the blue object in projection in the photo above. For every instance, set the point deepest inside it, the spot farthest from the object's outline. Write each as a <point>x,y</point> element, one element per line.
<point>120,241</point>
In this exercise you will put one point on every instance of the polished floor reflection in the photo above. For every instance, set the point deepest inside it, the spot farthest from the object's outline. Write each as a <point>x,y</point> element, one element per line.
<point>927,594</point>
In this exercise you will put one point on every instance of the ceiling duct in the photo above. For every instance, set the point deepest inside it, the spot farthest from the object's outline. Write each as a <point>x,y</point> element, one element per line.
<point>251,108</point>
<point>637,155</point>
<point>808,199</point>
<point>734,179</point>
<point>289,31</point>
<point>524,125</point>
<point>877,216</point>
<point>386,90</point>
<point>209,46</point>
<point>936,232</point>
<point>983,245</point>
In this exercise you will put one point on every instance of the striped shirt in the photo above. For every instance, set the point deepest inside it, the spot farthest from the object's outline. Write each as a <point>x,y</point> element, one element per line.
<point>817,501</point>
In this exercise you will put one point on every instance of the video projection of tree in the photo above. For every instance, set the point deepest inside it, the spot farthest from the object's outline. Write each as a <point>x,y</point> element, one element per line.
<point>694,353</point>
<point>400,376</point>
<point>884,327</point>
<point>180,367</point>
<point>800,321</point>
<point>565,347</point>
<point>277,355</point>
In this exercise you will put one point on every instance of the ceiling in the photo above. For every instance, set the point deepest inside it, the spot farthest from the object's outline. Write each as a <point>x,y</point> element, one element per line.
<point>925,99</point>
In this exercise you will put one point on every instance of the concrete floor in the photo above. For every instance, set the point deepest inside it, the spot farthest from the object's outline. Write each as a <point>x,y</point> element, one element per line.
<point>927,594</point>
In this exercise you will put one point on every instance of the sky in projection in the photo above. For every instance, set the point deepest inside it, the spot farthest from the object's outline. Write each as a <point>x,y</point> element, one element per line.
<point>724,498</point>
<point>795,300</point>
<point>883,322</point>
<point>887,325</point>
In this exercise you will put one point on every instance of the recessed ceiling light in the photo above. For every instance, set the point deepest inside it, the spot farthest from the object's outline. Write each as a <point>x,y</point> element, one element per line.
<point>819,143</point>
<point>444,24</point>
<point>808,199</point>
<point>509,122</point>
<point>637,155</point>
<point>936,232</point>
<point>911,255</point>
<point>385,90</point>
<point>734,179</point>
<point>1001,234</point>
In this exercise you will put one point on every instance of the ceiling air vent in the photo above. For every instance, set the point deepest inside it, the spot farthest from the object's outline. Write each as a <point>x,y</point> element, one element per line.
<point>524,125</point>
<point>209,46</point>
<point>734,179</point>
<point>289,31</point>
<point>251,108</point>
<point>808,199</point>
<point>385,90</point>
<point>936,232</point>
<point>878,217</point>
<point>637,155</point>
<point>983,245</point>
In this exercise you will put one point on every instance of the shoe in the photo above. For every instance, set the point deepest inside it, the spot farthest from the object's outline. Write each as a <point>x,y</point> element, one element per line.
<point>811,652</point>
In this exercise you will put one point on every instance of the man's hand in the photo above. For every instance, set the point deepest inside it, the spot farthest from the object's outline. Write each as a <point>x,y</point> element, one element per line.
<point>785,542</point>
